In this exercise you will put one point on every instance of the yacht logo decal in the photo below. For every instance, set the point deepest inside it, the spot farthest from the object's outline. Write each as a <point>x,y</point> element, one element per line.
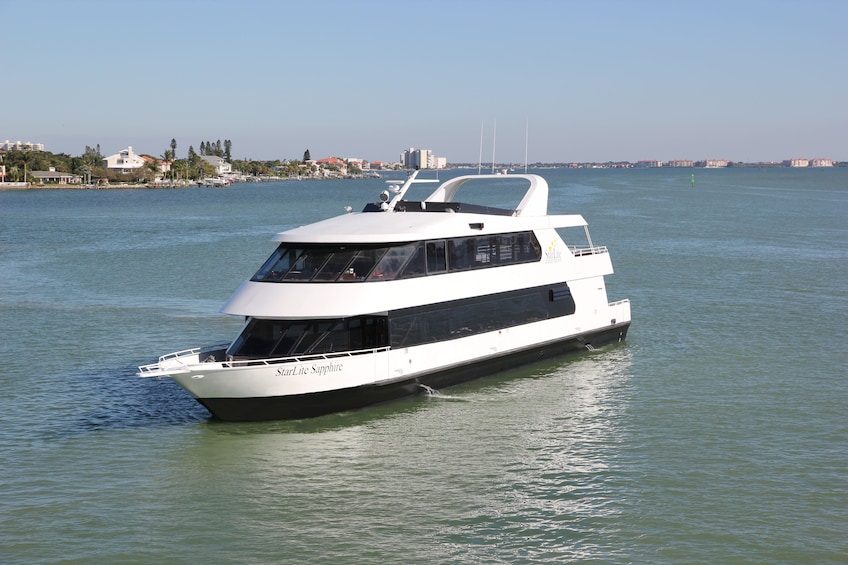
<point>552,253</point>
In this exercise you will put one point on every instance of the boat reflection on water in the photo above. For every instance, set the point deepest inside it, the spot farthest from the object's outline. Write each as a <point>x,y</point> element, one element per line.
<point>547,444</point>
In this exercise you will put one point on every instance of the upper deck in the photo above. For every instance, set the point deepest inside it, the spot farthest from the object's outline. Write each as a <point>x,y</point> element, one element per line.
<point>436,248</point>
<point>441,214</point>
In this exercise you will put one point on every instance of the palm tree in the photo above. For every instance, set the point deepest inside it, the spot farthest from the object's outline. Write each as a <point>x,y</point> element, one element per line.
<point>86,173</point>
<point>153,167</point>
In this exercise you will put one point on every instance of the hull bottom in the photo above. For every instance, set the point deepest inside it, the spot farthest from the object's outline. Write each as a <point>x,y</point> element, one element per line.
<point>318,404</point>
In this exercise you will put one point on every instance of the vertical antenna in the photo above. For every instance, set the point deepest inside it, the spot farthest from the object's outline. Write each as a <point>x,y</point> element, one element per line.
<point>526,134</point>
<point>494,138</point>
<point>480,159</point>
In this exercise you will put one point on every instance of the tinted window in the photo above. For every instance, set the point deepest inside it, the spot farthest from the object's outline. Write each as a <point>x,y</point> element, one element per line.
<point>347,264</point>
<point>436,257</point>
<point>264,339</point>
<point>460,318</point>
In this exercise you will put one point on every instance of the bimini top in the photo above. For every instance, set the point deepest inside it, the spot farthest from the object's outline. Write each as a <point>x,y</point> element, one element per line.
<point>441,214</point>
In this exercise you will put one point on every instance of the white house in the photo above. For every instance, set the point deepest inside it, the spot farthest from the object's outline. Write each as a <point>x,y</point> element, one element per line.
<point>52,177</point>
<point>126,161</point>
<point>221,166</point>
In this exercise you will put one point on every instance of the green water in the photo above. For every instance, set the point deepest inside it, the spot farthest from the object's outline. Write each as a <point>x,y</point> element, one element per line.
<point>716,434</point>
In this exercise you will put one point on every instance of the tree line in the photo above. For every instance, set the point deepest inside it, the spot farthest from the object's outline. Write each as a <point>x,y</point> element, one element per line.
<point>20,164</point>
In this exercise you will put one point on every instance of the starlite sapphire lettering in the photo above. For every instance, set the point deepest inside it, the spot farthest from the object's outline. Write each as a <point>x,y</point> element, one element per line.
<point>319,369</point>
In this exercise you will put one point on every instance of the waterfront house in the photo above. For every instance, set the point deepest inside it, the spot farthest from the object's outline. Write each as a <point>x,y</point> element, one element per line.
<point>220,164</point>
<point>161,166</point>
<point>53,177</point>
<point>332,166</point>
<point>126,161</point>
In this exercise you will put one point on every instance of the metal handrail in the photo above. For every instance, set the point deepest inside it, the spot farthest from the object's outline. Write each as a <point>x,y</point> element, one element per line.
<point>155,368</point>
<point>193,351</point>
<point>300,358</point>
<point>593,250</point>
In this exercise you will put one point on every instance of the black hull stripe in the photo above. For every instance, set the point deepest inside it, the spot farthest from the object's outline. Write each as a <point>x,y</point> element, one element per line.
<point>318,404</point>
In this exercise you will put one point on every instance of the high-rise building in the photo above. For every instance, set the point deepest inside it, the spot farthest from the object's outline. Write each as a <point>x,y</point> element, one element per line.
<point>18,146</point>
<point>413,158</point>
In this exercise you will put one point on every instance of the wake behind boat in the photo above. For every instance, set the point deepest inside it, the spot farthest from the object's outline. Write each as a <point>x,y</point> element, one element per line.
<point>405,295</point>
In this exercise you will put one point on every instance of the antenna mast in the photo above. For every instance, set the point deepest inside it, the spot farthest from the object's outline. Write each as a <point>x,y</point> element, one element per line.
<point>494,138</point>
<point>480,158</point>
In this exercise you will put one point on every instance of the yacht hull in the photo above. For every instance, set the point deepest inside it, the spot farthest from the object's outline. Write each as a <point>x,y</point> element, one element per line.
<point>308,405</point>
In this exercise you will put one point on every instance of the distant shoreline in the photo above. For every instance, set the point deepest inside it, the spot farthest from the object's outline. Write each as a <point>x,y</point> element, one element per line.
<point>21,186</point>
<point>8,186</point>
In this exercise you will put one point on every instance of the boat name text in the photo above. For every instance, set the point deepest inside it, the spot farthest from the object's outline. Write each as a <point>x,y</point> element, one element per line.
<point>319,369</point>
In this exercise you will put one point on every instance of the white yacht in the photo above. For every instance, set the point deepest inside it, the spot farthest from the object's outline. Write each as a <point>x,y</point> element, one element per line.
<point>402,297</point>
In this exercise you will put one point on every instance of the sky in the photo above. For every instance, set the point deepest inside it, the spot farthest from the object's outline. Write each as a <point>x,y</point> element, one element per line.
<point>541,80</point>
